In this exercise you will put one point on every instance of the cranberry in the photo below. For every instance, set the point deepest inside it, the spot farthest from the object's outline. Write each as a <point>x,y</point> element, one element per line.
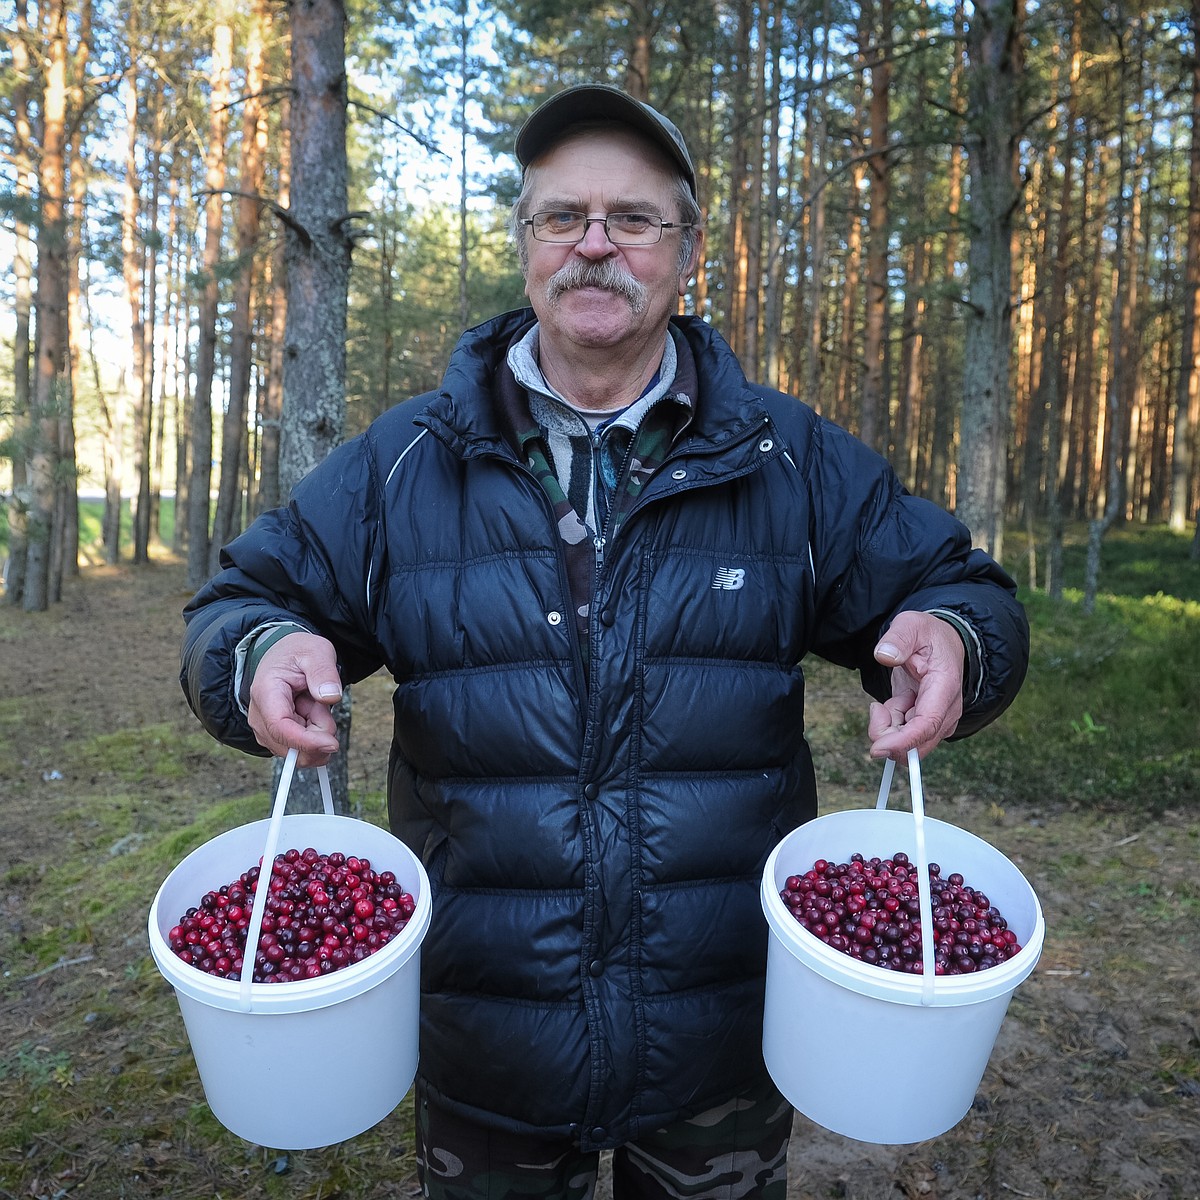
<point>870,909</point>
<point>323,912</point>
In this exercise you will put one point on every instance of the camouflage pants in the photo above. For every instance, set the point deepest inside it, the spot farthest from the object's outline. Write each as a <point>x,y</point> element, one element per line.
<point>736,1151</point>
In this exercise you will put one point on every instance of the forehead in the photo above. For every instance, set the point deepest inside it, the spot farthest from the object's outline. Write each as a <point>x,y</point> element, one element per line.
<point>607,164</point>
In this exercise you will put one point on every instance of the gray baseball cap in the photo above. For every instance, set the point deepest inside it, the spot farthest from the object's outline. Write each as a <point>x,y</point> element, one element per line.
<point>599,102</point>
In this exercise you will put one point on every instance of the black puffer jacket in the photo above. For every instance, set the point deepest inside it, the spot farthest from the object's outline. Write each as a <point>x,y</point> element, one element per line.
<point>596,840</point>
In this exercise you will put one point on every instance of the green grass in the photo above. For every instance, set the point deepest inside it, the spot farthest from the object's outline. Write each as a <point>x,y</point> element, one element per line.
<point>1135,561</point>
<point>91,519</point>
<point>1107,714</point>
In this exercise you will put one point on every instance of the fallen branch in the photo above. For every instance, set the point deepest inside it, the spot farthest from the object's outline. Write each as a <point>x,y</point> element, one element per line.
<point>62,962</point>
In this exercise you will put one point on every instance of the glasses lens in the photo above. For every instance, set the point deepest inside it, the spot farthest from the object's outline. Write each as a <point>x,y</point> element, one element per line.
<point>559,226</point>
<point>633,229</point>
<point>622,229</point>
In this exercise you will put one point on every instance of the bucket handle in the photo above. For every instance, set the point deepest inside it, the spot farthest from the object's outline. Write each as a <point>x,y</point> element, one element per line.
<point>271,848</point>
<point>924,892</point>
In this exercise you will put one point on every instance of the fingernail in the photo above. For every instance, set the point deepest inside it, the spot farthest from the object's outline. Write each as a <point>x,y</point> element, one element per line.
<point>328,691</point>
<point>886,650</point>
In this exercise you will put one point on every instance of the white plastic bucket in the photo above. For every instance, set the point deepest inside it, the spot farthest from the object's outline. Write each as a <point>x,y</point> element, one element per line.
<point>834,1027</point>
<point>316,1061</point>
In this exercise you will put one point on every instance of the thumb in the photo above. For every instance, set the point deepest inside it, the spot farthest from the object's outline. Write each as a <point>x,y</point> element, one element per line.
<point>321,674</point>
<point>892,651</point>
<point>327,690</point>
<point>902,639</point>
<point>311,657</point>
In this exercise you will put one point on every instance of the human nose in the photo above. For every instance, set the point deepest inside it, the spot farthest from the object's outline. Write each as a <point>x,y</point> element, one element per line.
<point>595,242</point>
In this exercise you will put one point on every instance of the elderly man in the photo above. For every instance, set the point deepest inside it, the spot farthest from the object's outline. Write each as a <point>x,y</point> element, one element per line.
<point>593,562</point>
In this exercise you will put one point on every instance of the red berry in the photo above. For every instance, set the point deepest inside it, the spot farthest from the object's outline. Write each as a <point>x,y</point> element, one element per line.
<point>306,932</point>
<point>870,909</point>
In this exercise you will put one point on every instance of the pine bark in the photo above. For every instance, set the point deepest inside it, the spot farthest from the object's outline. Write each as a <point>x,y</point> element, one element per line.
<point>1187,397</point>
<point>992,132</point>
<point>25,181</point>
<point>873,414</point>
<point>50,381</point>
<point>252,164</point>
<point>200,486</point>
<point>319,244</point>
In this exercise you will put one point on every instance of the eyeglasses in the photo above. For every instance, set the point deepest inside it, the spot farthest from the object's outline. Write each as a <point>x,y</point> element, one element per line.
<point>622,229</point>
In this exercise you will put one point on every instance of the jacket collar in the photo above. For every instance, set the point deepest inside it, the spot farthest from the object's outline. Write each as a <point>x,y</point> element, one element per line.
<point>472,410</point>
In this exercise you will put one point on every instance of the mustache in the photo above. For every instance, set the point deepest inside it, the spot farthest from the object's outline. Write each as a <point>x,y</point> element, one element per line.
<point>607,275</point>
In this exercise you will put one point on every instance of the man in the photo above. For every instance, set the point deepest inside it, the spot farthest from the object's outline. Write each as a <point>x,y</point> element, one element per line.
<point>593,562</point>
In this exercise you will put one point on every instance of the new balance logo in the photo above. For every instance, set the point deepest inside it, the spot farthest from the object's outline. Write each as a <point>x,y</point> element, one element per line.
<point>729,579</point>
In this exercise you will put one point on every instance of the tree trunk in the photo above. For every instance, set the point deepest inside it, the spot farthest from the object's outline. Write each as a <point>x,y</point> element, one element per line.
<point>818,252</point>
<point>133,264</point>
<point>1188,386</point>
<point>143,510</point>
<point>67,562</point>
<point>741,146</point>
<point>318,275</point>
<point>992,132</point>
<point>25,183</point>
<point>1118,356</point>
<point>873,416</point>
<point>942,482</point>
<point>271,407</point>
<point>200,486</point>
<point>50,381</point>
<point>1051,387</point>
<point>227,518</point>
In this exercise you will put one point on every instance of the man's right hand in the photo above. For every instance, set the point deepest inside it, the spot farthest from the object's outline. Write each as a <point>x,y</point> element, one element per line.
<point>293,689</point>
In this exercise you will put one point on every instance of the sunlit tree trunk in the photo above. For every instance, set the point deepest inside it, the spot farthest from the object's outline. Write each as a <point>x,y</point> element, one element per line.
<point>741,148</point>
<point>752,272</point>
<point>66,564</point>
<point>848,392</point>
<point>271,405</point>
<point>773,273</point>
<point>992,132</point>
<point>167,401</point>
<point>200,485</point>
<point>1187,398</point>
<point>133,269</point>
<point>942,481</point>
<point>226,518</point>
<point>147,490</point>
<point>1119,352</point>
<point>818,250</point>
<point>50,381</point>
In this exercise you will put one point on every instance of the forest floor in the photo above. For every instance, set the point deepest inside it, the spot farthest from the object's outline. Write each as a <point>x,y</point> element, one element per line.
<point>1093,1088</point>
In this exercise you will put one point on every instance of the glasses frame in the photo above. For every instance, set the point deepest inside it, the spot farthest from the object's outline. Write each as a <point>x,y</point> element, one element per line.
<point>528,222</point>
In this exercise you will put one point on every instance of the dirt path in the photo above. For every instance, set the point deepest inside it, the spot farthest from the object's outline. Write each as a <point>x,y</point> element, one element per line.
<point>1093,1090</point>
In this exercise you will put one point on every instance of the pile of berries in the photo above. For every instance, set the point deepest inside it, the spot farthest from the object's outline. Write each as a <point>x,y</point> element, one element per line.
<point>869,908</point>
<point>323,912</point>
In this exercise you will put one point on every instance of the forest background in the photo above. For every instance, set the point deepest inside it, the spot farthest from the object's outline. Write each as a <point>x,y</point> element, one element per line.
<point>969,232</point>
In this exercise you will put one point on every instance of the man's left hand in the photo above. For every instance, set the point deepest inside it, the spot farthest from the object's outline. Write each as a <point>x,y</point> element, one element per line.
<point>926,656</point>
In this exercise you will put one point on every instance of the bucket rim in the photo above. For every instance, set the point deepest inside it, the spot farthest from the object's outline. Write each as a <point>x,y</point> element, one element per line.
<point>868,979</point>
<point>302,995</point>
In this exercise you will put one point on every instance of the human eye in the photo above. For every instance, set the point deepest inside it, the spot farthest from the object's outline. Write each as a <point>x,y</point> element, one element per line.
<point>634,223</point>
<point>561,220</point>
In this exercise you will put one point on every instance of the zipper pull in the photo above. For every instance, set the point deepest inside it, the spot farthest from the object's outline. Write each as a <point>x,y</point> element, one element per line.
<point>598,544</point>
